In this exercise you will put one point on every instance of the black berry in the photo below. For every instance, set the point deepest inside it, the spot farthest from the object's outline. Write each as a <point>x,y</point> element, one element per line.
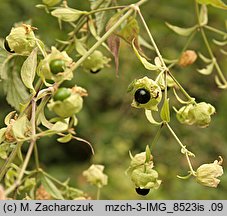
<point>96,71</point>
<point>6,45</point>
<point>142,192</point>
<point>142,96</point>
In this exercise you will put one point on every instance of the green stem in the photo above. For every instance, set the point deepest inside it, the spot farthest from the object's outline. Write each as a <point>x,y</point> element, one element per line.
<point>98,193</point>
<point>208,45</point>
<point>183,147</point>
<point>105,9</point>
<point>106,35</point>
<point>156,136</point>
<point>216,30</point>
<point>9,160</point>
<point>29,153</point>
<point>151,38</point>
<point>181,88</point>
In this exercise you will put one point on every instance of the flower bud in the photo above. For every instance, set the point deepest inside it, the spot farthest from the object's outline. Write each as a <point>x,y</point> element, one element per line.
<point>95,62</point>
<point>68,106</point>
<point>22,39</point>
<point>198,114</point>
<point>67,14</point>
<point>201,113</point>
<point>51,3</point>
<point>94,175</point>
<point>145,178</point>
<point>207,174</point>
<point>44,68</point>
<point>182,114</point>
<point>142,173</point>
<point>187,58</point>
<point>147,93</point>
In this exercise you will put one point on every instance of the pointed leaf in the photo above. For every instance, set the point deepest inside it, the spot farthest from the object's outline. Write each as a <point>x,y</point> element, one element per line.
<point>20,127</point>
<point>80,46</point>
<point>144,61</point>
<point>65,139</point>
<point>215,3</point>
<point>14,88</point>
<point>100,17</point>
<point>203,16</point>
<point>148,154</point>
<point>59,126</point>
<point>207,70</point>
<point>28,70</point>
<point>220,43</point>
<point>182,31</point>
<point>165,114</point>
<point>113,43</point>
<point>180,100</point>
<point>205,59</point>
<point>130,31</point>
<point>219,83</point>
<point>150,118</point>
<point>144,43</point>
<point>51,188</point>
<point>67,14</point>
<point>223,52</point>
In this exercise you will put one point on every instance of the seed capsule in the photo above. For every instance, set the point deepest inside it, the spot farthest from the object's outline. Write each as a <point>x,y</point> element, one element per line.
<point>143,191</point>
<point>142,96</point>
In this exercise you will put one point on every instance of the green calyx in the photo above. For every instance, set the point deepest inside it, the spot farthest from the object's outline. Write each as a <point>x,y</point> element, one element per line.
<point>147,93</point>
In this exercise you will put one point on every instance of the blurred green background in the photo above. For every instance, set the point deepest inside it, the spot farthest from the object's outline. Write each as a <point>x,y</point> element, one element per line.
<point>113,126</point>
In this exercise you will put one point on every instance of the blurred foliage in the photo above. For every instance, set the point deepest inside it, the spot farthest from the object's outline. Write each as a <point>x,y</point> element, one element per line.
<point>113,126</point>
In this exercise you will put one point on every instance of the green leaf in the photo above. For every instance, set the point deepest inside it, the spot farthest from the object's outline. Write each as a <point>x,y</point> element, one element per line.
<point>67,14</point>
<point>8,117</point>
<point>203,16</point>
<point>4,148</point>
<point>144,61</point>
<point>215,3</point>
<point>148,154</point>
<point>130,31</point>
<point>165,114</point>
<point>16,92</point>
<point>65,139</point>
<point>80,46</point>
<point>51,188</point>
<point>207,70</point>
<point>113,43</point>
<point>220,43</point>
<point>204,58</point>
<point>20,127</point>
<point>28,70</point>
<point>100,17</point>
<point>2,134</point>
<point>150,118</point>
<point>219,83</point>
<point>59,126</point>
<point>182,31</point>
<point>144,43</point>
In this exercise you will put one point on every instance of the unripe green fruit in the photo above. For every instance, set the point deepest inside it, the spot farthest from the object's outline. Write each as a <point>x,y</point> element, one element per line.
<point>61,94</point>
<point>57,65</point>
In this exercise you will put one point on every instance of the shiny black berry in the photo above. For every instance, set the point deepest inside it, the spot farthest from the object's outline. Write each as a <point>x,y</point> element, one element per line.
<point>96,71</point>
<point>57,65</point>
<point>142,96</point>
<point>142,192</point>
<point>6,45</point>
